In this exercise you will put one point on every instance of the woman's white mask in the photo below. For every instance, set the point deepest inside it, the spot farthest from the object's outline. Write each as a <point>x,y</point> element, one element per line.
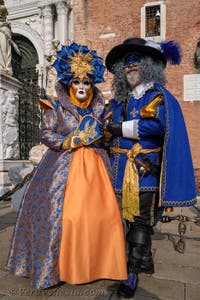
<point>81,88</point>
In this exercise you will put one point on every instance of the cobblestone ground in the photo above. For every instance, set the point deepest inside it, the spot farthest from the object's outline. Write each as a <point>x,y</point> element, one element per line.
<point>176,277</point>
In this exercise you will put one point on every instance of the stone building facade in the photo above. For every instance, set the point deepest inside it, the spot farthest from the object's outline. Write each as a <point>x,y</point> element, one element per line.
<point>103,24</point>
<point>43,23</point>
<point>32,32</point>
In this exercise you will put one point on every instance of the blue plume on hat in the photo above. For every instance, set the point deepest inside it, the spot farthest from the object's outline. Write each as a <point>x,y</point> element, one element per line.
<point>172,52</point>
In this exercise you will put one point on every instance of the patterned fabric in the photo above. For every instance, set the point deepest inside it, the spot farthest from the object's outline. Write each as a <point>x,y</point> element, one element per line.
<point>36,239</point>
<point>167,129</point>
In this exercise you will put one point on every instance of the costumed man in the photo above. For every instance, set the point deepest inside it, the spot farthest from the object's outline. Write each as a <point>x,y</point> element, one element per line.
<point>69,226</point>
<point>150,152</point>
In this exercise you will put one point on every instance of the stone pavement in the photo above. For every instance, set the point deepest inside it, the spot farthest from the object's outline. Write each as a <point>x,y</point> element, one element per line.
<point>176,277</point>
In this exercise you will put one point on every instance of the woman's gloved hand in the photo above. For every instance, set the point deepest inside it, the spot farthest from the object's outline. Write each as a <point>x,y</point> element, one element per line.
<point>74,140</point>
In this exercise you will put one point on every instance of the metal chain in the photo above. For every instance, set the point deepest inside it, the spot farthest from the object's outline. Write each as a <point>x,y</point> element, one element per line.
<point>6,196</point>
<point>180,244</point>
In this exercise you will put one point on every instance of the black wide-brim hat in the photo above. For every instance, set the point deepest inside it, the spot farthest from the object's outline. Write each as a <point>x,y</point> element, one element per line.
<point>134,45</point>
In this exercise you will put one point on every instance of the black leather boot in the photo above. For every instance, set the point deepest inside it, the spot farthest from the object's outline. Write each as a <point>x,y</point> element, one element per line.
<point>140,255</point>
<point>147,265</point>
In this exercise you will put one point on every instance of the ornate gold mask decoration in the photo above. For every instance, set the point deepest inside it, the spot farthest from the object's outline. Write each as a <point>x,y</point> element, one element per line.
<point>81,64</point>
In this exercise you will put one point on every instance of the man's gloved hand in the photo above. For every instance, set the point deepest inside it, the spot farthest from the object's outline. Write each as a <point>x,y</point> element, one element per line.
<point>115,129</point>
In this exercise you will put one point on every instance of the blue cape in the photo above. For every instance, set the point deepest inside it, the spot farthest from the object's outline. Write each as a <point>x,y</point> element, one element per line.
<point>177,183</point>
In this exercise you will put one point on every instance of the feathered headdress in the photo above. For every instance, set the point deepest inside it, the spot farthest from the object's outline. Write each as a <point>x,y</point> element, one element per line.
<point>171,50</point>
<point>80,61</point>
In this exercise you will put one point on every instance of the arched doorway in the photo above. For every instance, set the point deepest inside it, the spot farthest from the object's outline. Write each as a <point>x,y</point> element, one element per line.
<point>24,61</point>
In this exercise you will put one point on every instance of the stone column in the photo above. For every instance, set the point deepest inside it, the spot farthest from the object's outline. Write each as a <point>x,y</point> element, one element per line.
<point>62,15</point>
<point>9,130</point>
<point>41,71</point>
<point>48,29</point>
<point>9,127</point>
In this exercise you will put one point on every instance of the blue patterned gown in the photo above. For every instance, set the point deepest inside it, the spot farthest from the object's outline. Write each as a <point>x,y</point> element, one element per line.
<point>35,246</point>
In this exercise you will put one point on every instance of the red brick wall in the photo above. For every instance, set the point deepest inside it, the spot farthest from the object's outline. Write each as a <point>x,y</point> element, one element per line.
<point>93,18</point>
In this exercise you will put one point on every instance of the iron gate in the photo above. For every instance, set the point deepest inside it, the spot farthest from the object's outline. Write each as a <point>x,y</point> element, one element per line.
<point>29,112</point>
<point>24,60</point>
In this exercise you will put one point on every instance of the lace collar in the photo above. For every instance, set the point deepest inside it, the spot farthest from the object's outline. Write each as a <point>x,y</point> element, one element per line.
<point>140,90</point>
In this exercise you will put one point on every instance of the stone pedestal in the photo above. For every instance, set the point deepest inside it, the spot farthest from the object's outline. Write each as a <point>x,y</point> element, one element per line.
<point>17,172</point>
<point>9,127</point>
<point>8,178</point>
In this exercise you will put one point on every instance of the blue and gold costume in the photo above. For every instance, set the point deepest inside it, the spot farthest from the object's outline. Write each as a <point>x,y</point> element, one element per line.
<point>69,224</point>
<point>151,172</point>
<point>149,148</point>
<point>165,130</point>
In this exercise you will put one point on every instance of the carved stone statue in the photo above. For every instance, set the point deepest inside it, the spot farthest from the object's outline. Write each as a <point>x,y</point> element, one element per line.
<point>10,125</point>
<point>51,77</point>
<point>5,41</point>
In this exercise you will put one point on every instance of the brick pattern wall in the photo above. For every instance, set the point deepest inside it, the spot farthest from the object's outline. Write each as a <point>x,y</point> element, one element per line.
<point>104,24</point>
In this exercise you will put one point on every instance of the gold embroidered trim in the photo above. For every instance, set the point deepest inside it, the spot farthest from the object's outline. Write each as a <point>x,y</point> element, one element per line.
<point>149,111</point>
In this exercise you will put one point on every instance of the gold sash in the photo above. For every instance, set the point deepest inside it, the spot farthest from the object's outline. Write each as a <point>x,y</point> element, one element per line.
<point>130,188</point>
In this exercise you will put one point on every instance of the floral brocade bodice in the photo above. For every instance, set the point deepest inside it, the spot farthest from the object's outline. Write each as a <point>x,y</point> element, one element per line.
<point>65,117</point>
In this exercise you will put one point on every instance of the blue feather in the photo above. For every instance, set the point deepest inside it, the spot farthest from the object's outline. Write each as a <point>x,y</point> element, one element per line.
<point>172,52</point>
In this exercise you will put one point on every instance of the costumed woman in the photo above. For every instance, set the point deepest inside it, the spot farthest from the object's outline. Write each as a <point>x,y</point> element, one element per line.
<point>150,151</point>
<point>69,226</point>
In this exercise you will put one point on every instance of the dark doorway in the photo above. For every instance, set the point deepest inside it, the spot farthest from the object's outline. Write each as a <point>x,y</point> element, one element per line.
<point>24,61</point>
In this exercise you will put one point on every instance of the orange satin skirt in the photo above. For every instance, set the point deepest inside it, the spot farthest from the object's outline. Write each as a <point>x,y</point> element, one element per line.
<point>92,244</point>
